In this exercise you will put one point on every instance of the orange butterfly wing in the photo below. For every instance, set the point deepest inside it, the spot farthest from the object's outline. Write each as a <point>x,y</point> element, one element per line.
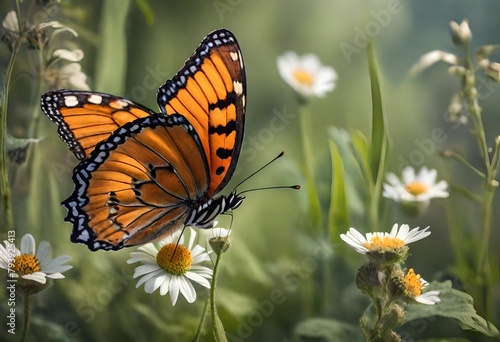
<point>139,184</point>
<point>143,175</point>
<point>210,92</point>
<point>86,118</point>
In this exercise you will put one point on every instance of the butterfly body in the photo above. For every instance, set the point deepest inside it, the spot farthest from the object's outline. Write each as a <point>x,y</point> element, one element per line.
<point>144,175</point>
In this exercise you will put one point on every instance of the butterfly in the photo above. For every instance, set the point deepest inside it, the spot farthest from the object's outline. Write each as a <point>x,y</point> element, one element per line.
<point>143,175</point>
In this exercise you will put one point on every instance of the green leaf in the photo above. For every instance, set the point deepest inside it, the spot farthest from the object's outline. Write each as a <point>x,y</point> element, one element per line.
<point>339,210</point>
<point>146,10</point>
<point>378,152</point>
<point>352,166</point>
<point>326,330</point>
<point>112,52</point>
<point>361,154</point>
<point>455,304</point>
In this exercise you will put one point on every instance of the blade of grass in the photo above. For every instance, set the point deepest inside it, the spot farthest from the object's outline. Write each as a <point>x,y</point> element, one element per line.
<point>379,140</point>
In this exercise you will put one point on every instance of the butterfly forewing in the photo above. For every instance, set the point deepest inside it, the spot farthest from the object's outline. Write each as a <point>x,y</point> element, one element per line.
<point>139,184</point>
<point>86,118</point>
<point>210,92</point>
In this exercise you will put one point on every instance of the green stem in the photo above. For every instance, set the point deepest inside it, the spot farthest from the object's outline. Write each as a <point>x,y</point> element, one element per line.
<point>466,163</point>
<point>202,320</point>
<point>8,217</point>
<point>314,205</point>
<point>218,328</point>
<point>483,260</point>
<point>308,291</point>
<point>27,314</point>
<point>470,93</point>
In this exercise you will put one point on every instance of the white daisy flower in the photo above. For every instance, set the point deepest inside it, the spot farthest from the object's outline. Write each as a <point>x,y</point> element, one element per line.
<point>169,272</point>
<point>413,287</point>
<point>306,74</point>
<point>384,242</point>
<point>421,187</point>
<point>28,265</point>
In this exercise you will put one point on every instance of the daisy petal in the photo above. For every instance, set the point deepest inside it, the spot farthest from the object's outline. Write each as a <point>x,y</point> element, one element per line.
<point>43,251</point>
<point>28,244</point>
<point>37,276</point>
<point>174,290</point>
<point>187,290</point>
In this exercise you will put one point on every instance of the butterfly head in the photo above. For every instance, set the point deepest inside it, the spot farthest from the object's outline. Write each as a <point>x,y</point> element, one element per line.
<point>204,215</point>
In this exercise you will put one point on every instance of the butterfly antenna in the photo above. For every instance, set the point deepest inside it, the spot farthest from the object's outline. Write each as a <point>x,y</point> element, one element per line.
<point>177,244</point>
<point>259,169</point>
<point>295,187</point>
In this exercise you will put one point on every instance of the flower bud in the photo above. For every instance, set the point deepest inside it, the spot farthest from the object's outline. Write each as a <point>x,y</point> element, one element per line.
<point>368,279</point>
<point>394,318</point>
<point>218,239</point>
<point>455,107</point>
<point>460,34</point>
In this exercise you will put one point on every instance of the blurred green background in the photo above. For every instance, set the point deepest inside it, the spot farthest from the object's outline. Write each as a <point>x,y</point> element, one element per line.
<point>272,245</point>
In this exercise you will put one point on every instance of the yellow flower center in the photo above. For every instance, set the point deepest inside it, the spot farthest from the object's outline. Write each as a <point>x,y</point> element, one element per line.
<point>417,188</point>
<point>26,264</point>
<point>303,77</point>
<point>176,264</point>
<point>413,285</point>
<point>383,244</point>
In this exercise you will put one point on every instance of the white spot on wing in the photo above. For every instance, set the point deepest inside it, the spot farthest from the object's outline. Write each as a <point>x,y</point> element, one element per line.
<point>238,87</point>
<point>234,56</point>
<point>95,99</point>
<point>70,101</point>
<point>84,236</point>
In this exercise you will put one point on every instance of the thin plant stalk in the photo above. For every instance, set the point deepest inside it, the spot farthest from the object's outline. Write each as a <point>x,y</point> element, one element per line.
<point>314,205</point>
<point>315,212</point>
<point>8,221</point>
<point>471,99</point>
<point>202,320</point>
<point>27,314</point>
<point>218,328</point>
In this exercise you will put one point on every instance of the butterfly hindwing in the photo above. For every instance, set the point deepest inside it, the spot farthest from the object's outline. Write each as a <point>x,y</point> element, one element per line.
<point>139,184</point>
<point>86,118</point>
<point>210,92</point>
